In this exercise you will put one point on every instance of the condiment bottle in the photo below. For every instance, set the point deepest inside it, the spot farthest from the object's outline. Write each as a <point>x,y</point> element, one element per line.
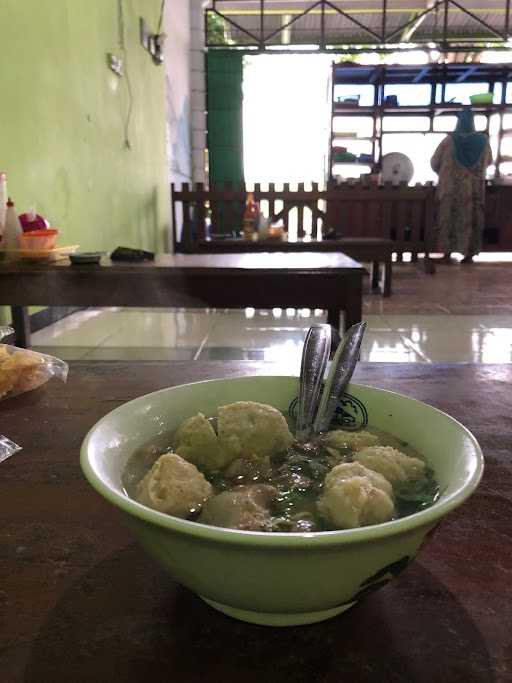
<point>12,228</point>
<point>251,215</point>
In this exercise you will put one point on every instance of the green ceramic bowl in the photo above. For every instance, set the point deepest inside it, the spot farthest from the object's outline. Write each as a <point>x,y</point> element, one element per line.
<point>280,579</point>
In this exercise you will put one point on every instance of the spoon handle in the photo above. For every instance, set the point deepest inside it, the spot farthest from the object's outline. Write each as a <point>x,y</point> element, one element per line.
<point>340,374</point>
<point>314,360</point>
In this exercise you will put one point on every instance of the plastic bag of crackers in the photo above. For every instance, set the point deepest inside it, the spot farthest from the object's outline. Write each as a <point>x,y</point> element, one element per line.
<point>23,370</point>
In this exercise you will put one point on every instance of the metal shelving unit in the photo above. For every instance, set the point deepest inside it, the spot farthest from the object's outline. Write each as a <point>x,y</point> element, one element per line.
<point>437,77</point>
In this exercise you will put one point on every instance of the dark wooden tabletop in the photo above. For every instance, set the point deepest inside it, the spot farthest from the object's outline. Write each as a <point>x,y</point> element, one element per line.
<point>330,281</point>
<point>80,601</point>
<point>279,261</point>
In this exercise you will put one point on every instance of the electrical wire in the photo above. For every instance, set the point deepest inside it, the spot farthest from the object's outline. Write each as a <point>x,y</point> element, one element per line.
<point>161,19</point>
<point>120,24</point>
<point>122,47</point>
<point>127,142</point>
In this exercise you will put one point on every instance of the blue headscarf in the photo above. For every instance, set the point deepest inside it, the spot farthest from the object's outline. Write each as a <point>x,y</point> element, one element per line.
<point>468,145</point>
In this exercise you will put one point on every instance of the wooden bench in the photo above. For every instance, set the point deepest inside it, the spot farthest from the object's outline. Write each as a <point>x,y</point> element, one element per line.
<point>399,213</point>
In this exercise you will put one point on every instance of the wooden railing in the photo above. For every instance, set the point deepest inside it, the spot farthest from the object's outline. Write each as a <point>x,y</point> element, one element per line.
<point>225,205</point>
<point>401,213</point>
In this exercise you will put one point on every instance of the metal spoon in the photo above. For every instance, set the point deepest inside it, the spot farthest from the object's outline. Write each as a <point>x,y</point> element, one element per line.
<point>340,374</point>
<point>315,354</point>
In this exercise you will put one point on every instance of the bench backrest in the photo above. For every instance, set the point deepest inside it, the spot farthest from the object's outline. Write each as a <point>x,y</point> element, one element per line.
<point>401,213</point>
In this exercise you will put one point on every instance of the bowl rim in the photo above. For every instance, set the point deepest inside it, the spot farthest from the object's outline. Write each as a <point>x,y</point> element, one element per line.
<point>283,540</point>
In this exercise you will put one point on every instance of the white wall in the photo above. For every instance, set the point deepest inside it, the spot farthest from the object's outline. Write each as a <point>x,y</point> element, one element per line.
<point>198,90</point>
<point>177,66</point>
<point>185,92</point>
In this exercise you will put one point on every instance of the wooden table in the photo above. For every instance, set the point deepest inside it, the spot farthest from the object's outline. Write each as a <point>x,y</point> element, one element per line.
<point>80,602</point>
<point>329,281</point>
<point>375,250</point>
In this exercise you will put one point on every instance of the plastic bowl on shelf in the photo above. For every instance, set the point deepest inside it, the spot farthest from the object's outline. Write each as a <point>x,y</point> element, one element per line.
<point>38,240</point>
<point>482,98</point>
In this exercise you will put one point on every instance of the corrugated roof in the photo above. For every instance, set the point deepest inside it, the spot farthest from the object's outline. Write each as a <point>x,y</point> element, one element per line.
<point>361,21</point>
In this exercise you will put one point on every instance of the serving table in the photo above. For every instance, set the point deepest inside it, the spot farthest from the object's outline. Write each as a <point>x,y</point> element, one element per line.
<point>80,601</point>
<point>376,250</point>
<point>330,281</point>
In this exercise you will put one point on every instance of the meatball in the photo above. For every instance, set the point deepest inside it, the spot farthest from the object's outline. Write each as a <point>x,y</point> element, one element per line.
<point>244,507</point>
<point>339,439</point>
<point>174,486</point>
<point>354,496</point>
<point>197,442</point>
<point>252,429</point>
<point>392,464</point>
<point>355,469</point>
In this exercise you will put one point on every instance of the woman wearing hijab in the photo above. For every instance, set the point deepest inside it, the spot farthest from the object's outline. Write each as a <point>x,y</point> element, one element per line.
<point>461,161</point>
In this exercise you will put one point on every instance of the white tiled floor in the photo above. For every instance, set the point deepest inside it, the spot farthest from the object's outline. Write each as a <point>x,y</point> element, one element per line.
<point>191,334</point>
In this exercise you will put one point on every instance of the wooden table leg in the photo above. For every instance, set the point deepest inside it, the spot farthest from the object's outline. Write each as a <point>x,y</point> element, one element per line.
<point>354,301</point>
<point>388,271</point>
<point>333,317</point>
<point>375,275</point>
<point>21,325</point>
<point>335,340</point>
<point>429,265</point>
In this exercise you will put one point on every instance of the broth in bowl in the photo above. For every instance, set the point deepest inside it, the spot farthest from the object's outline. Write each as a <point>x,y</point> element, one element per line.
<point>244,470</point>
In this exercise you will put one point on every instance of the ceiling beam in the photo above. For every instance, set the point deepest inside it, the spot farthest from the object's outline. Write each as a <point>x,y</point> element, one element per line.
<point>467,72</point>
<point>411,30</point>
<point>236,9</point>
<point>286,33</point>
<point>422,73</point>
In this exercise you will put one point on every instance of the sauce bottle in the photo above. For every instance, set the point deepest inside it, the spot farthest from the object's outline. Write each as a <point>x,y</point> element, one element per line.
<point>251,215</point>
<point>12,229</point>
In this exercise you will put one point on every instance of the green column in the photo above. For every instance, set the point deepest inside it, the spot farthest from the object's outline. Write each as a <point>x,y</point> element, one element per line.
<point>224,101</point>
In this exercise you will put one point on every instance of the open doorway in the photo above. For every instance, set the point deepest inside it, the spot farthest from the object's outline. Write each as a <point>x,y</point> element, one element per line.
<point>286,118</point>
